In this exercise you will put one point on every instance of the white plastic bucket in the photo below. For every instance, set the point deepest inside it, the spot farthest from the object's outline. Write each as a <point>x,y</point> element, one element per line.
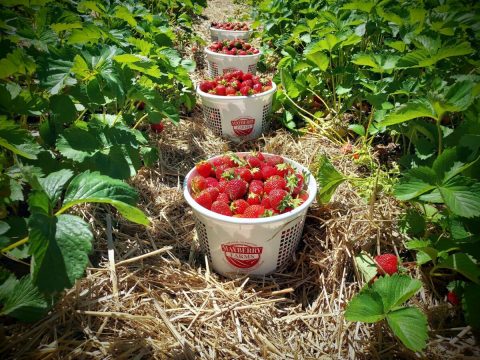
<point>220,34</point>
<point>238,118</point>
<point>253,246</point>
<point>219,64</point>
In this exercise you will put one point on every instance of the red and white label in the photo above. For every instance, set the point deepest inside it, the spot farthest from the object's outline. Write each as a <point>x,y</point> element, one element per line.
<point>243,126</point>
<point>242,255</point>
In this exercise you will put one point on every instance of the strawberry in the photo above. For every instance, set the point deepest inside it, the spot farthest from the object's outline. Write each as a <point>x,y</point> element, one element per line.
<point>221,207</point>
<point>158,128</point>
<point>295,183</point>
<point>274,160</point>
<point>387,263</point>
<point>253,161</point>
<point>274,182</point>
<point>245,90</point>
<point>230,91</point>
<point>223,197</point>
<point>198,183</point>
<point>236,189</point>
<point>256,187</point>
<point>253,199</point>
<point>254,211</point>
<point>244,173</point>
<point>279,199</point>
<point>283,169</point>
<point>206,86</point>
<point>204,198</point>
<point>211,182</point>
<point>257,88</point>
<point>219,171</point>
<point>220,90</point>
<point>302,196</point>
<point>266,203</point>
<point>204,168</point>
<point>267,171</point>
<point>238,206</point>
<point>452,298</point>
<point>213,191</point>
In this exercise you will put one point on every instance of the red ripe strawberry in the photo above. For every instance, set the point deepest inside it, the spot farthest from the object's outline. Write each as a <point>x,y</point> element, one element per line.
<point>253,199</point>
<point>198,183</point>
<point>453,298</point>
<point>217,161</point>
<point>211,182</point>
<point>302,196</point>
<point>253,161</point>
<point>238,74</point>
<point>223,197</point>
<point>274,160</point>
<point>295,183</point>
<point>213,191</point>
<point>219,171</point>
<point>236,189</point>
<point>283,169</point>
<point>260,156</point>
<point>256,187</point>
<point>244,90</point>
<point>279,199</point>
<point>244,173</point>
<point>247,76</point>
<point>158,128</point>
<point>287,209</point>
<point>206,86</point>
<point>220,90</point>
<point>221,207</point>
<point>222,185</point>
<point>204,168</point>
<point>229,161</point>
<point>230,91</point>
<point>205,199</point>
<point>254,211</point>
<point>387,263</point>
<point>228,174</point>
<point>248,83</point>
<point>257,88</point>
<point>274,182</point>
<point>256,174</point>
<point>266,203</point>
<point>268,171</point>
<point>238,206</point>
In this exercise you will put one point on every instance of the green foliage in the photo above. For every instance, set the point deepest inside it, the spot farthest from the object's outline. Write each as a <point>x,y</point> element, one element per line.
<point>78,80</point>
<point>384,300</point>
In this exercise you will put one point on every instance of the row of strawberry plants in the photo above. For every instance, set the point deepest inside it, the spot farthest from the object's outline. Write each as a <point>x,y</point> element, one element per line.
<point>79,81</point>
<point>369,71</point>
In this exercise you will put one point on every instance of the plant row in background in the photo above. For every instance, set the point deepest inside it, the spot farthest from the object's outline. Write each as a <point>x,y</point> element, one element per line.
<point>400,72</point>
<point>78,80</point>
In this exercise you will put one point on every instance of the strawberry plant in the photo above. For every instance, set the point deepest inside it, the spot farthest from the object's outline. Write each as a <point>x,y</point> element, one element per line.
<point>78,83</point>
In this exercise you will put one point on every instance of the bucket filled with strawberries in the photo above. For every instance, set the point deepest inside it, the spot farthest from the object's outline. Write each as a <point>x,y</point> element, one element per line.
<point>250,210</point>
<point>230,55</point>
<point>236,105</point>
<point>229,31</point>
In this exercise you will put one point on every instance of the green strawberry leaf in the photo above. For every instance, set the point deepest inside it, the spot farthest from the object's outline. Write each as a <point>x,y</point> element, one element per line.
<point>395,290</point>
<point>410,326</point>
<point>462,196</point>
<point>367,306</point>
<point>94,187</point>
<point>471,299</point>
<point>415,183</point>
<point>59,243</point>
<point>54,183</point>
<point>20,298</point>
<point>463,264</point>
<point>414,109</point>
<point>328,179</point>
<point>366,265</point>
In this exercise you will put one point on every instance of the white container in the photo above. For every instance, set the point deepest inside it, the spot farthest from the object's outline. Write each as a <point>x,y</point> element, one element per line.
<point>238,118</point>
<point>220,34</point>
<point>219,64</point>
<point>253,246</point>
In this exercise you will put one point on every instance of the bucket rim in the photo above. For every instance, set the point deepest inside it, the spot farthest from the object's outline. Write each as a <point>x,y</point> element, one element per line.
<point>231,31</point>
<point>241,97</point>
<point>210,52</point>
<point>312,190</point>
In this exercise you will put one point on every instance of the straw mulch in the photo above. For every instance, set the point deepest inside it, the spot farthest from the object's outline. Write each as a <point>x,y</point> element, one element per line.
<point>149,292</point>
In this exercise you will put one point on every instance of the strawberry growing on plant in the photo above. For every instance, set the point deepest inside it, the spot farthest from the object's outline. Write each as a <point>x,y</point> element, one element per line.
<point>387,264</point>
<point>158,128</point>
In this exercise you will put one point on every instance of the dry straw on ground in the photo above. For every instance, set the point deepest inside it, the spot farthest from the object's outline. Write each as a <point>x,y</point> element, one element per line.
<point>150,294</point>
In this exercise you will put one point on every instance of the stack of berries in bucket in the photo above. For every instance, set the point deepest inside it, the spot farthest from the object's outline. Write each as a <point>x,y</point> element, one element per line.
<point>248,186</point>
<point>236,83</point>
<point>233,47</point>
<point>235,26</point>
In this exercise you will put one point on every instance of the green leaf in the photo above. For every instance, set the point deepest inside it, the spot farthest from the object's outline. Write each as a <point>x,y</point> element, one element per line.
<point>366,265</point>
<point>59,27</point>
<point>395,290</point>
<point>54,183</point>
<point>357,129</point>
<point>471,299</point>
<point>378,63</point>
<point>17,140</point>
<point>415,183</point>
<point>414,109</point>
<point>410,326</point>
<point>463,264</point>
<point>462,198</point>
<point>96,188</point>
<point>56,75</point>
<point>77,144</point>
<point>60,246</point>
<point>89,34</point>
<point>319,58</point>
<point>123,13</point>
<point>328,179</point>
<point>426,58</point>
<point>20,298</point>
<point>366,306</point>
<point>63,109</point>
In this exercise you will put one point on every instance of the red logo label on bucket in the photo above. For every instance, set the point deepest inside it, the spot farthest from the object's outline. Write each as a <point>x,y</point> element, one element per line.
<point>243,126</point>
<point>242,255</point>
